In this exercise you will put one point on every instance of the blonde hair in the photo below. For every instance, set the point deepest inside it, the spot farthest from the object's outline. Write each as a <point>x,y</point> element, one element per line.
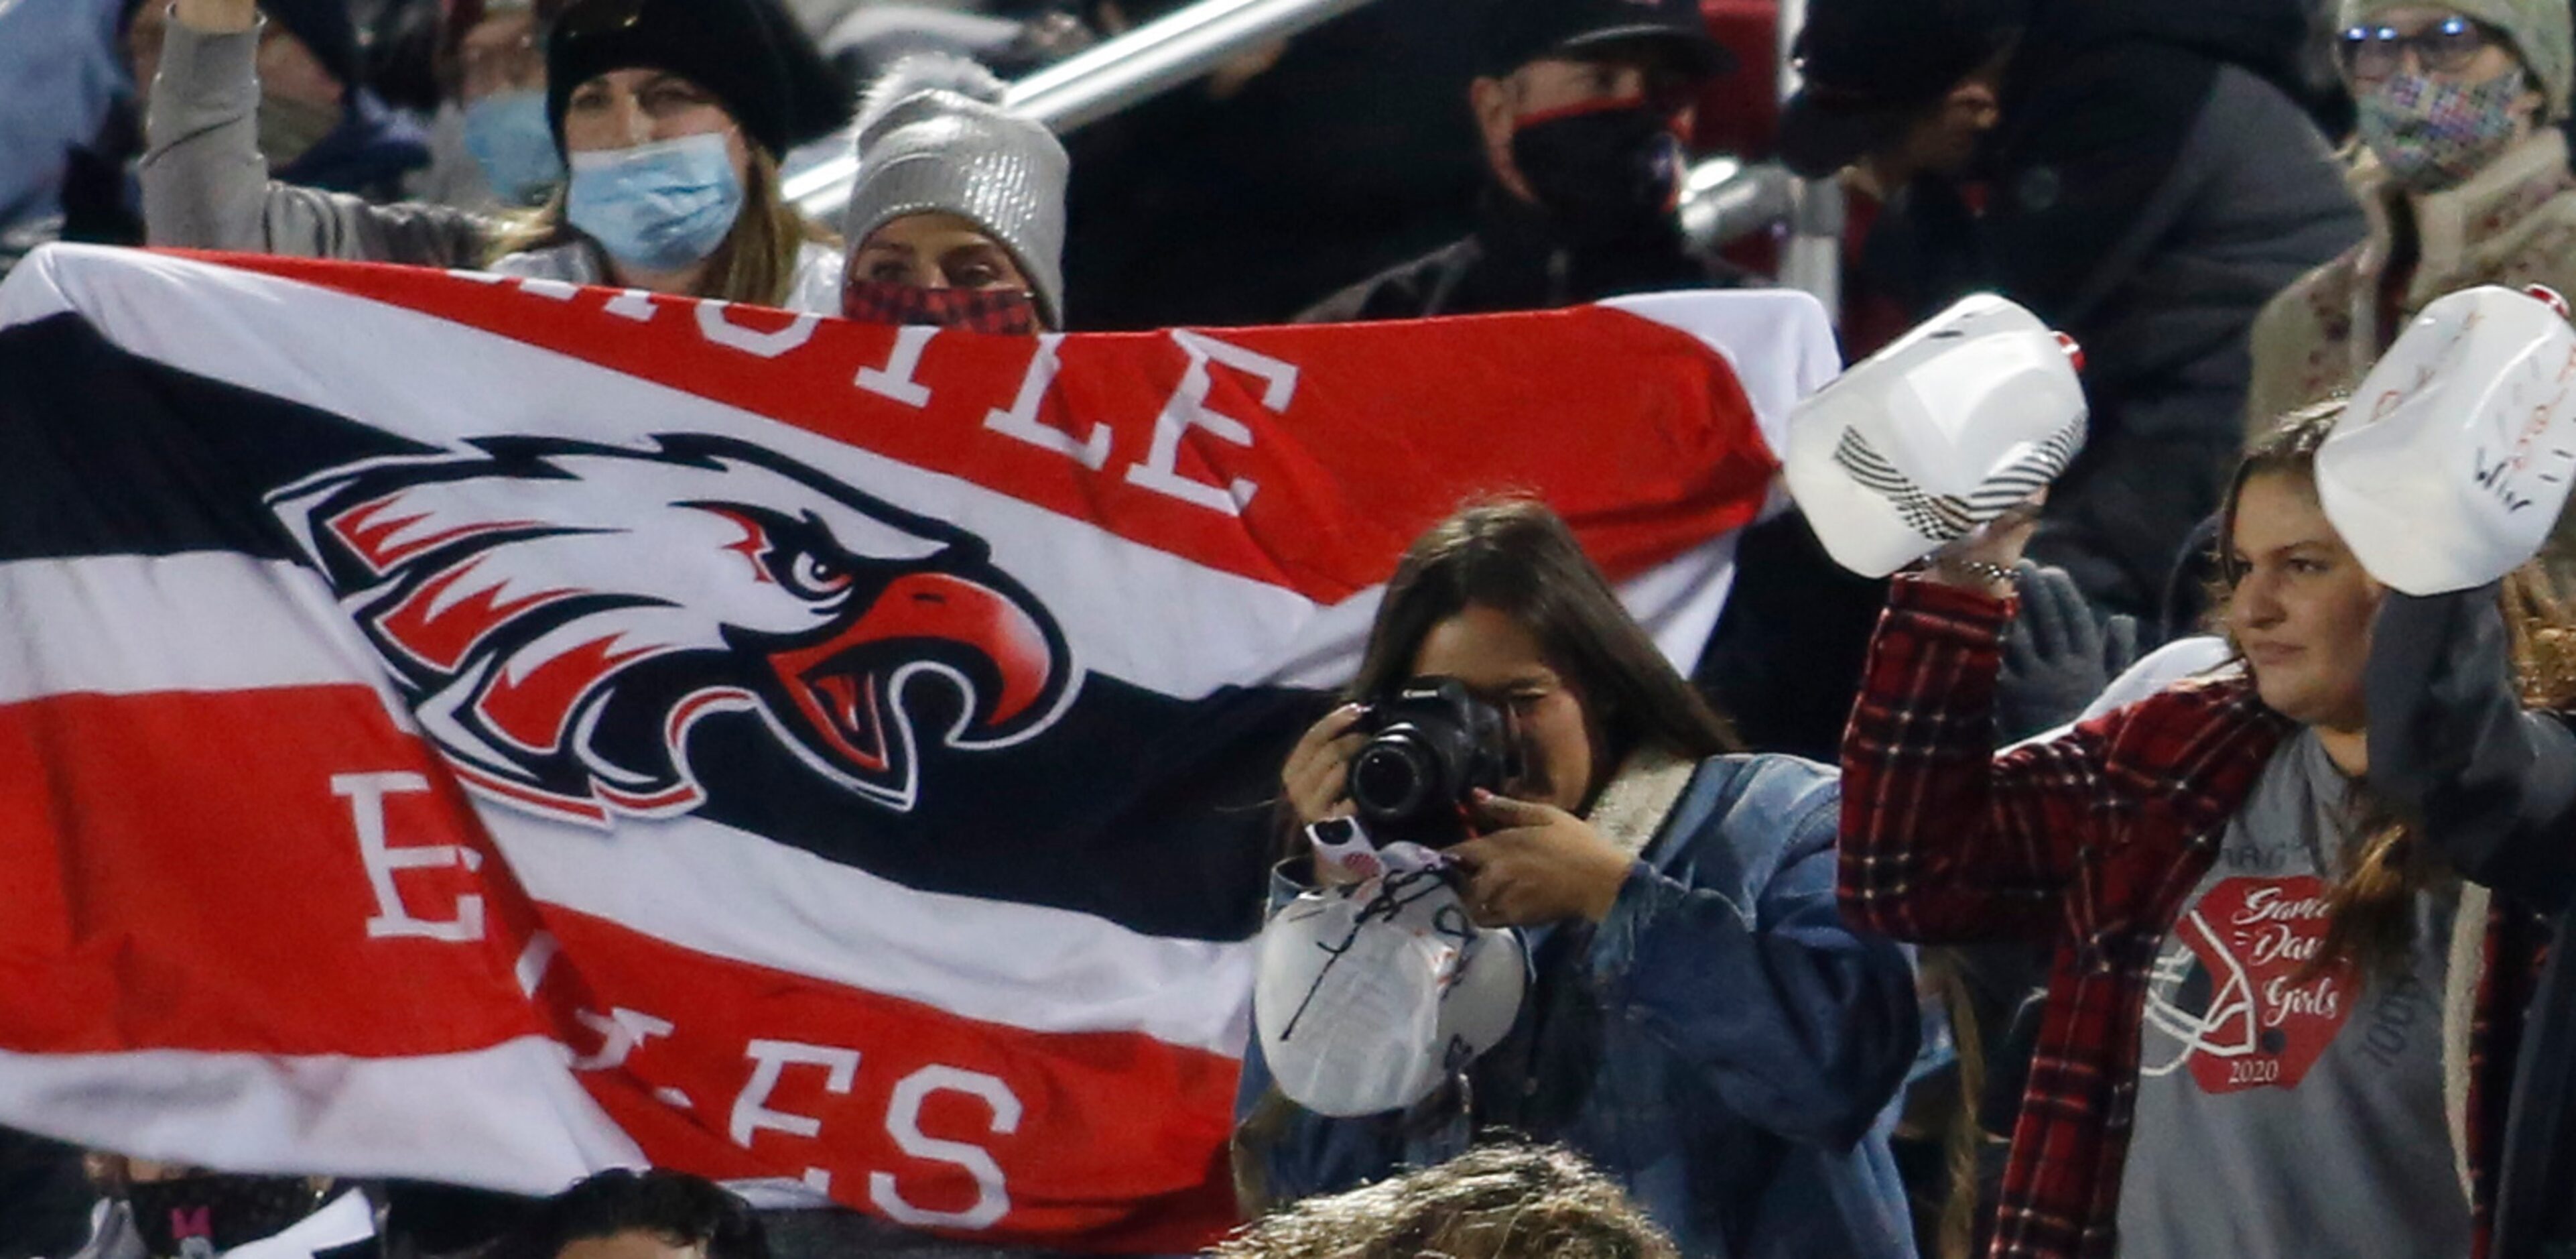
<point>1492,1202</point>
<point>755,264</point>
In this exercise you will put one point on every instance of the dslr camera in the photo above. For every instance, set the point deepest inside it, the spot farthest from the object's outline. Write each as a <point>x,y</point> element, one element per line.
<point>1430,747</point>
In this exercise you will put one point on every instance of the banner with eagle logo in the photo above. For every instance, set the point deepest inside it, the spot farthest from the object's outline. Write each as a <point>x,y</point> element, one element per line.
<point>487,731</point>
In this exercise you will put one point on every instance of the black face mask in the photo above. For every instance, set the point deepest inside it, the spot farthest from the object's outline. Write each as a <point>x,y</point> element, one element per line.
<point>1603,172</point>
<point>195,1216</point>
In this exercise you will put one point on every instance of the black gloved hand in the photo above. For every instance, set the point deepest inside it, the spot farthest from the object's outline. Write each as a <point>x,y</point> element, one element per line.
<point>2058,655</point>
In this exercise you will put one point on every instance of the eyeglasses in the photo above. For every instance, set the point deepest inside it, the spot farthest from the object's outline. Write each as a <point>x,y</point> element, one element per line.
<point>2372,53</point>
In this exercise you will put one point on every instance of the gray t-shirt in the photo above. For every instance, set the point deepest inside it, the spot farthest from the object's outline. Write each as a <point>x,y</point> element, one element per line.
<point>2280,1118</point>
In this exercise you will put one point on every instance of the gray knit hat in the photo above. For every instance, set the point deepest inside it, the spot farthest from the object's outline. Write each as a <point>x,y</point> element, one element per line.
<point>933,136</point>
<point>2539,29</point>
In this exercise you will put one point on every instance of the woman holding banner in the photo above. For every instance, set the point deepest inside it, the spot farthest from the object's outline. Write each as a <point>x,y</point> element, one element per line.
<point>2278,1022</point>
<point>670,114</point>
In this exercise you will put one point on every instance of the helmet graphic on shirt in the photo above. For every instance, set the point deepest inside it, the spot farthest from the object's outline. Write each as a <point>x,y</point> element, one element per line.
<point>2234,996</point>
<point>2193,1009</point>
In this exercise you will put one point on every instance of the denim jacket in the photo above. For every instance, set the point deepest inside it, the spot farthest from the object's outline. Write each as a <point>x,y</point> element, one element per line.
<point>1721,1045</point>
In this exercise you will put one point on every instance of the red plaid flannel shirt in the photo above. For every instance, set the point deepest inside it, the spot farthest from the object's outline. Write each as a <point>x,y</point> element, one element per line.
<point>2093,842</point>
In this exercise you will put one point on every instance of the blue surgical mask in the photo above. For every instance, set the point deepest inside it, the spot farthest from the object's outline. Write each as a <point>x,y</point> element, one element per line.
<point>659,206</point>
<point>510,139</point>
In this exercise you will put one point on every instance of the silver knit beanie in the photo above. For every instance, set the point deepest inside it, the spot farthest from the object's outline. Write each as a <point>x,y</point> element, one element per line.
<point>933,136</point>
<point>2539,29</point>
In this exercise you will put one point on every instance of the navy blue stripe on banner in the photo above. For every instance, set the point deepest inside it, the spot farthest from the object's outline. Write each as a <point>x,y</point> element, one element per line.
<point>108,453</point>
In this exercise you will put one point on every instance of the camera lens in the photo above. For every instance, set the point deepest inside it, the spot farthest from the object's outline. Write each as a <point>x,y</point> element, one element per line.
<point>1393,778</point>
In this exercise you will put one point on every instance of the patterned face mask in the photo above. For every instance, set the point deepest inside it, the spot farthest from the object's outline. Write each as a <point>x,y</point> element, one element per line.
<point>2433,134</point>
<point>1008,312</point>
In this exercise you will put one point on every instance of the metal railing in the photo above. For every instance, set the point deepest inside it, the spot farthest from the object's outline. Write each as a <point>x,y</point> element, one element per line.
<point>1724,201</point>
<point>1112,75</point>
<point>1812,257</point>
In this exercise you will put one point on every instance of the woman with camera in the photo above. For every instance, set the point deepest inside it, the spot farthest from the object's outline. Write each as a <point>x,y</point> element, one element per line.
<point>1698,1021</point>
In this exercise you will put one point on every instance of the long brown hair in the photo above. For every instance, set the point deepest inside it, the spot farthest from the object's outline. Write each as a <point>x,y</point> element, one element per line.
<point>1517,557</point>
<point>756,263</point>
<point>2370,912</point>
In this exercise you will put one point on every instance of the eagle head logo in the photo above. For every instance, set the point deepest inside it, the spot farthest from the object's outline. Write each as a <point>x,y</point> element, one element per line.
<point>558,614</point>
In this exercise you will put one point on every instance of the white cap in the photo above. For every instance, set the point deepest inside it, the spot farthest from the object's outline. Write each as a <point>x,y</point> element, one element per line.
<point>1371,994</point>
<point>1967,415</point>
<point>2449,466</point>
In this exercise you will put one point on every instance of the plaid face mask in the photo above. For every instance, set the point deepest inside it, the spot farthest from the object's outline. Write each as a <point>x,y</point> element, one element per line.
<point>2433,134</point>
<point>1006,312</point>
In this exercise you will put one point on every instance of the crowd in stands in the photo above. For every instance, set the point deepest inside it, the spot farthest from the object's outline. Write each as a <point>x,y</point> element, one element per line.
<point>1870,936</point>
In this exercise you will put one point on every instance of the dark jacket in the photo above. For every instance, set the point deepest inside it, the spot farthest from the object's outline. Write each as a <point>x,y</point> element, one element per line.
<point>1515,260</point>
<point>2150,187</point>
<point>367,154</point>
<point>2495,787</point>
<point>1783,662</point>
<point>1722,1045</point>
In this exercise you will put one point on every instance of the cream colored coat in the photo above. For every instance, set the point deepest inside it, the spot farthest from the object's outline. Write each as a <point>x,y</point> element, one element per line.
<point>2513,224</point>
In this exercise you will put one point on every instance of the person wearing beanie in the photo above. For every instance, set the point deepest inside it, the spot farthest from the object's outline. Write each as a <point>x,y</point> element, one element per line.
<point>669,115</point>
<point>491,142</point>
<point>2461,171</point>
<point>957,217</point>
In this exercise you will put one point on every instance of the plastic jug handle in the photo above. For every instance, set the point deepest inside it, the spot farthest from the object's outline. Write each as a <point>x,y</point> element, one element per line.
<point>2075,353</point>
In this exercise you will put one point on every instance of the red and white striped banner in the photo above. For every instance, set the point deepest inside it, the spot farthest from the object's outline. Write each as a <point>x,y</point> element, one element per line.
<point>489,731</point>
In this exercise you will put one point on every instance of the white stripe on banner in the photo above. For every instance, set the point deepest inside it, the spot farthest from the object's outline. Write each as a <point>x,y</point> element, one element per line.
<point>197,621</point>
<point>734,895</point>
<point>428,1116</point>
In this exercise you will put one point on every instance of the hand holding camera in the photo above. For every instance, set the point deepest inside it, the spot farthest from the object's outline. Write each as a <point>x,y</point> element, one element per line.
<point>1536,863</point>
<point>1318,768</point>
<point>1428,767</point>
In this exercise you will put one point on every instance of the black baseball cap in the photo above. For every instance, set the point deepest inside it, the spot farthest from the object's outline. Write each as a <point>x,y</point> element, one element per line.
<point>1870,65</point>
<point>1522,31</point>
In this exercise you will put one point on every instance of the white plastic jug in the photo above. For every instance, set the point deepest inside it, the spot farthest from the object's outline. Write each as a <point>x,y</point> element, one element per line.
<point>2449,467</point>
<point>1965,416</point>
<point>1366,997</point>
